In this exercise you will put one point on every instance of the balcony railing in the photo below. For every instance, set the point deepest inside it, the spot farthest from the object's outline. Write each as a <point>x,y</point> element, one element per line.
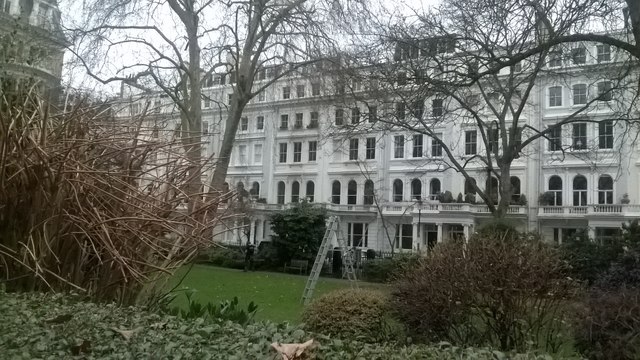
<point>589,209</point>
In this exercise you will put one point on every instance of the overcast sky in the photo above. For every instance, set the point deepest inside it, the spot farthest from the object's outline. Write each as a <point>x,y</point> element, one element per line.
<point>72,13</point>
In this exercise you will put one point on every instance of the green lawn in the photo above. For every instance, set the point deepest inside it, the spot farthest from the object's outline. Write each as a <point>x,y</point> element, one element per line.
<point>277,295</point>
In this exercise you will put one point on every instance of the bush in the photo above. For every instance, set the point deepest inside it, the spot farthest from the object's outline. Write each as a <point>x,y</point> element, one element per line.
<point>587,259</point>
<point>608,327</point>
<point>298,231</point>
<point>59,327</point>
<point>229,257</point>
<point>383,270</point>
<point>502,288</point>
<point>348,314</point>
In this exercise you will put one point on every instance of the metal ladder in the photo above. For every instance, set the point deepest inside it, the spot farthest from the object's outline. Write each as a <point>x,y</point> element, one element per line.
<point>333,230</point>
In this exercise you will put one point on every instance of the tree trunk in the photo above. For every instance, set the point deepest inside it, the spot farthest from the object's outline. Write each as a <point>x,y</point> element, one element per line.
<point>504,189</point>
<point>192,121</point>
<point>634,19</point>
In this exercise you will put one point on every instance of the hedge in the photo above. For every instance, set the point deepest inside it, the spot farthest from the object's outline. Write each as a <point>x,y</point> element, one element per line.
<point>41,326</point>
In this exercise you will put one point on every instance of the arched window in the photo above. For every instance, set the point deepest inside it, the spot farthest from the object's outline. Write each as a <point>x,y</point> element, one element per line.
<point>579,191</point>
<point>434,189</point>
<point>492,189</point>
<point>416,189</point>
<point>281,188</point>
<point>368,192</point>
<point>605,190</point>
<point>255,190</point>
<point>515,189</point>
<point>397,190</point>
<point>469,186</point>
<point>311,191</point>
<point>295,192</point>
<point>335,192</point>
<point>555,187</point>
<point>352,192</point>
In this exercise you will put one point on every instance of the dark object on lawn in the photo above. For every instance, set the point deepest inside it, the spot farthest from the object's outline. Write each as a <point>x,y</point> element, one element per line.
<point>336,269</point>
<point>248,256</point>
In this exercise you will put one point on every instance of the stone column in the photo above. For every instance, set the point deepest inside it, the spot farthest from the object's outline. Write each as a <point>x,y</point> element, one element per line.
<point>439,226</point>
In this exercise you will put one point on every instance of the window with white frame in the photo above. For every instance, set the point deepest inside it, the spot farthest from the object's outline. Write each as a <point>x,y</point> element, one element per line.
<point>311,191</point>
<point>257,153</point>
<point>604,91</point>
<point>297,151</point>
<point>370,152</point>
<point>242,154</point>
<point>335,192</point>
<point>357,234</point>
<point>398,147</point>
<point>603,53</point>
<point>555,188</point>
<point>261,96</point>
<point>339,118</point>
<point>315,89</point>
<point>368,192</point>
<point>284,121</point>
<point>355,115</point>
<point>373,114</point>
<point>437,107</point>
<point>605,190</point>
<point>579,136</point>
<point>580,191</point>
<point>313,150</point>
<point>353,149</point>
<point>579,94</point>
<point>418,150</point>
<point>260,123</point>
<point>470,142</point>
<point>436,146</point>
<point>300,91</point>
<point>295,192</point>
<point>313,123</point>
<point>555,138</point>
<point>398,190</point>
<point>404,236</point>
<point>352,192</point>
<point>281,192</point>
<point>286,92</point>
<point>555,96</point>
<point>605,134</point>
<point>555,59</point>
<point>282,157</point>
<point>244,123</point>
<point>299,121</point>
<point>579,55</point>
<point>205,128</point>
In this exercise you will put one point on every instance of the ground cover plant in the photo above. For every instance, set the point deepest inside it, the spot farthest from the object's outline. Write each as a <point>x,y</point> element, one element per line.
<point>56,327</point>
<point>277,295</point>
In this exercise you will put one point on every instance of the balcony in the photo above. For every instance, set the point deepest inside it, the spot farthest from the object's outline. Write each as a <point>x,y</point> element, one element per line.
<point>448,208</point>
<point>590,210</point>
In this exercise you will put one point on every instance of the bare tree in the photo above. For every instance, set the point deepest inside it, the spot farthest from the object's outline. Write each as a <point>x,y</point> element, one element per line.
<point>176,46</point>
<point>480,65</point>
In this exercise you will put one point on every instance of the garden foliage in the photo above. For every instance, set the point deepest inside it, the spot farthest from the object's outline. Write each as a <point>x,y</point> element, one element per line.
<point>349,314</point>
<point>58,327</point>
<point>502,288</point>
<point>298,231</point>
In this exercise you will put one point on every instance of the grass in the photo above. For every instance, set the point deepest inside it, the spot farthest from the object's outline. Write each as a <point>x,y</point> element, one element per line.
<point>276,294</point>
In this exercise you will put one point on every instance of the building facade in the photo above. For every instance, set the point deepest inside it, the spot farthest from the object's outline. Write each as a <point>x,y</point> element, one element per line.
<point>306,138</point>
<point>31,45</point>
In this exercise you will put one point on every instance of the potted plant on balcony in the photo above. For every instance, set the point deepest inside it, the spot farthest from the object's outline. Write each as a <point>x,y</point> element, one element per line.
<point>470,198</point>
<point>445,197</point>
<point>460,199</point>
<point>546,198</point>
<point>625,199</point>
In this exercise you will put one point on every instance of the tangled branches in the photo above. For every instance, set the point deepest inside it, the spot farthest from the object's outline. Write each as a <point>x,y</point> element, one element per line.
<point>91,204</point>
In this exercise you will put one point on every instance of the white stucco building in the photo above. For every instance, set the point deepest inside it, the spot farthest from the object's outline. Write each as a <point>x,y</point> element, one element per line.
<point>295,142</point>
